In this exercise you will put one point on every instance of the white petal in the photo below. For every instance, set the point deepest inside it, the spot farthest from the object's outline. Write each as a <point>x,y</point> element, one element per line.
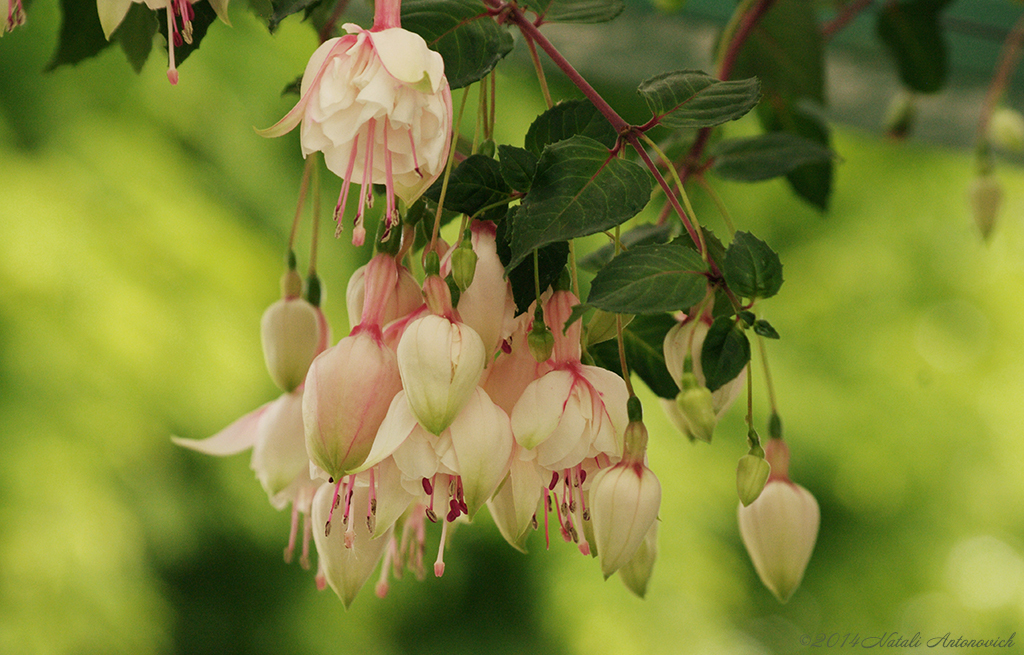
<point>233,439</point>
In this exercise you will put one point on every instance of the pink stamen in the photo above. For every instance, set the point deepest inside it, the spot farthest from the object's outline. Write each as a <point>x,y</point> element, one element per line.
<point>334,504</point>
<point>339,209</point>
<point>389,555</point>
<point>389,186</point>
<point>307,535</point>
<point>371,131</point>
<point>415,160</point>
<point>293,533</point>
<point>439,562</point>
<point>172,71</point>
<point>547,510</point>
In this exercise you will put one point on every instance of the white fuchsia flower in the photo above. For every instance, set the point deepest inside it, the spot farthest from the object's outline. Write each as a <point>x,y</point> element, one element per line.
<point>377,104</point>
<point>779,529</point>
<point>179,12</point>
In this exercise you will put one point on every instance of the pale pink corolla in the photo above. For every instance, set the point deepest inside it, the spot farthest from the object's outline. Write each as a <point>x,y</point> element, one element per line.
<point>513,369</point>
<point>179,21</point>
<point>405,298</point>
<point>624,502</point>
<point>514,504</point>
<point>377,104</point>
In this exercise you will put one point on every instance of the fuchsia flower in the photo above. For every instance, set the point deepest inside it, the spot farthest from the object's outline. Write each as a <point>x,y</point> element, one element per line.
<point>780,528</point>
<point>179,22</point>
<point>377,104</point>
<point>15,16</point>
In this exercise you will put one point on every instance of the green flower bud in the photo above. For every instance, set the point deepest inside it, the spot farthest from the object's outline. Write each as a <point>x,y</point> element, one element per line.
<point>1006,129</point>
<point>463,266</point>
<point>697,408</point>
<point>541,341</point>
<point>985,195</point>
<point>751,474</point>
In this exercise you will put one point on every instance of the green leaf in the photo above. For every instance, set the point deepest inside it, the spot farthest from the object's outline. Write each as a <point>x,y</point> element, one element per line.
<point>81,35</point>
<point>468,38</point>
<point>912,31</point>
<point>204,17</point>
<point>812,182</point>
<point>284,8</point>
<point>575,11</point>
<point>473,185</point>
<point>694,99</point>
<point>567,119</point>
<point>579,188</point>
<point>766,156</point>
<point>643,340</point>
<point>765,329</point>
<point>646,233</point>
<point>726,351</point>
<point>551,262</point>
<point>135,35</point>
<point>752,269</point>
<point>649,280</point>
<point>517,167</point>
<point>785,51</point>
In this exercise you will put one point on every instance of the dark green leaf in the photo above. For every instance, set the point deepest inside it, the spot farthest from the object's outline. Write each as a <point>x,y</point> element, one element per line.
<point>567,119</point>
<point>765,329</point>
<point>474,184</point>
<point>747,317</point>
<point>550,259</point>
<point>204,17</point>
<point>650,279</point>
<point>81,35</point>
<point>643,339</point>
<point>576,11</point>
<point>785,51</point>
<point>766,156</point>
<point>752,269</point>
<point>694,99</point>
<point>517,167</point>
<point>135,35</point>
<point>284,8</point>
<point>812,182</point>
<point>913,33</point>
<point>641,234</point>
<point>726,351</point>
<point>468,38</point>
<point>579,189</point>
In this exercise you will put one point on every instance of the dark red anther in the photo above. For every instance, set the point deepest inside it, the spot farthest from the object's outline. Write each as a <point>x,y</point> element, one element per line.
<point>554,481</point>
<point>431,516</point>
<point>427,487</point>
<point>583,476</point>
<point>506,347</point>
<point>178,42</point>
<point>452,515</point>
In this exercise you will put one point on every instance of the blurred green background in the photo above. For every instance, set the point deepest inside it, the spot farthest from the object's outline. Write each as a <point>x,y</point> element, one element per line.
<point>142,228</point>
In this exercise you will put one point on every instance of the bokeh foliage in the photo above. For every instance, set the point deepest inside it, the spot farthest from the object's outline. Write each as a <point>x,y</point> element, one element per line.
<point>142,238</point>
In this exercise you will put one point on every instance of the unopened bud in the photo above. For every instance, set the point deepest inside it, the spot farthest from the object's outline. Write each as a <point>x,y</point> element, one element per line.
<point>1006,129</point>
<point>290,332</point>
<point>751,474</point>
<point>463,266</point>
<point>291,284</point>
<point>697,408</point>
<point>986,196</point>
<point>540,341</point>
<point>900,116</point>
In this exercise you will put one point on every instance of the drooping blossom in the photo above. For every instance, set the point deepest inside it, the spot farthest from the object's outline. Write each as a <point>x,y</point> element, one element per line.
<point>377,104</point>
<point>179,22</point>
<point>779,529</point>
<point>15,16</point>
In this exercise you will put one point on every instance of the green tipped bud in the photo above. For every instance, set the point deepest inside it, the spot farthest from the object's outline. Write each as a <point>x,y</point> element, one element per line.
<point>541,341</point>
<point>751,474</point>
<point>985,195</point>
<point>291,284</point>
<point>463,266</point>
<point>487,148</point>
<point>1006,129</point>
<point>602,326</point>
<point>697,408</point>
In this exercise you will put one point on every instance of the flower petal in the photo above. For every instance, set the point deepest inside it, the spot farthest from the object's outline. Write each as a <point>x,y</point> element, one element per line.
<point>239,436</point>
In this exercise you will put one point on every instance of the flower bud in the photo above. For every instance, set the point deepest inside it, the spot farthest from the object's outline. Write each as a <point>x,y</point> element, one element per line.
<point>540,341</point>
<point>687,339</point>
<point>696,408</point>
<point>290,332</point>
<point>482,440</point>
<point>986,196</point>
<point>463,266</point>
<point>1006,129</point>
<point>900,116</point>
<point>624,502</point>
<point>440,362</point>
<point>751,474</point>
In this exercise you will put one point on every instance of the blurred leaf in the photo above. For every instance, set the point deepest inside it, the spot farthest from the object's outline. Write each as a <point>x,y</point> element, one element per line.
<point>575,11</point>
<point>579,188</point>
<point>517,167</point>
<point>550,264</point>
<point>726,351</point>
<point>204,17</point>
<point>766,156</point>
<point>765,329</point>
<point>752,269</point>
<point>469,40</point>
<point>641,234</point>
<point>81,35</point>
<point>694,99</point>
<point>812,182</point>
<point>913,33</point>
<point>473,185</point>
<point>284,8</point>
<point>649,280</point>
<point>135,35</point>
<point>785,52</point>
<point>643,341</point>
<point>567,119</point>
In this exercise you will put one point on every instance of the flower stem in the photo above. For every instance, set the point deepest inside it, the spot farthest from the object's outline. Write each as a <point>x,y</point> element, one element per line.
<point>849,12</point>
<point>447,175</point>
